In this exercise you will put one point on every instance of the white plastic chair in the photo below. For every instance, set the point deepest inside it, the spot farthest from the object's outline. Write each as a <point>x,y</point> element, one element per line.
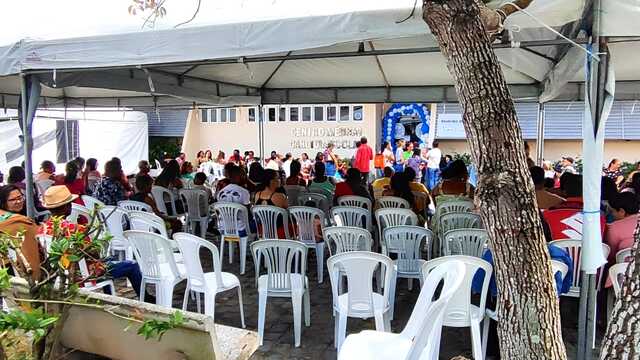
<point>230,215</point>
<point>43,185</point>
<point>389,217</point>
<point>406,241</point>
<point>286,262</point>
<point>460,312</point>
<point>192,200</point>
<point>79,211</point>
<point>449,206</point>
<point>211,283</point>
<point>351,216</point>
<point>162,196</point>
<point>91,203</point>
<point>267,217</point>
<point>617,273</point>
<point>115,219</point>
<point>94,285</point>
<point>305,221</point>
<point>355,201</point>
<point>574,249</point>
<point>130,205</point>
<point>623,255</point>
<point>293,191</point>
<point>347,238</point>
<point>146,221</point>
<point>454,221</point>
<point>392,202</point>
<point>471,242</point>
<point>360,300</point>
<point>420,338</point>
<point>157,264</point>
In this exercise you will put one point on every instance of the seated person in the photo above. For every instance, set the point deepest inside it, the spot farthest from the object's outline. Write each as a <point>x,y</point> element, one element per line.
<point>235,193</point>
<point>295,178</point>
<point>48,170</point>
<point>186,171</point>
<point>143,186</point>
<point>351,186</point>
<point>417,186</point>
<point>454,181</point>
<point>619,234</point>
<point>545,199</point>
<point>72,181</point>
<point>321,183</point>
<point>143,167</point>
<point>109,189</point>
<point>270,195</point>
<point>198,183</point>
<point>58,200</point>
<point>400,187</point>
<point>378,186</point>
<point>226,180</point>
<point>571,187</point>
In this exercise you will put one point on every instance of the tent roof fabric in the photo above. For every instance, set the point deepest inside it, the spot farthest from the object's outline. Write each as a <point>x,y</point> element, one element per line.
<point>360,55</point>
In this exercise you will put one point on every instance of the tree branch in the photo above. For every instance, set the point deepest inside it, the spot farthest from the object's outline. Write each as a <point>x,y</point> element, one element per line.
<point>192,17</point>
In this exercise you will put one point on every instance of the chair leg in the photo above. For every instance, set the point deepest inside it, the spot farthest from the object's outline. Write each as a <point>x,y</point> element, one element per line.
<point>142,290</point>
<point>410,284</point>
<point>185,301</point>
<point>392,296</point>
<point>198,303</point>
<point>241,306</point>
<point>320,261</point>
<point>485,335</point>
<point>262,308</point>
<point>476,340</point>
<point>296,299</point>
<point>386,317</point>
<point>230,252</point>
<point>203,228</point>
<point>209,304</point>
<point>243,254</point>
<point>379,320</point>
<point>307,308</point>
<point>342,329</point>
<point>221,249</point>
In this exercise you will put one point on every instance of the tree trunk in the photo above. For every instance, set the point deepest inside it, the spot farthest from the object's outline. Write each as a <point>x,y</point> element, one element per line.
<point>622,340</point>
<point>529,326</point>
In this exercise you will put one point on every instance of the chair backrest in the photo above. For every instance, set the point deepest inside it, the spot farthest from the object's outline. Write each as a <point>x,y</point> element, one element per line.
<point>158,166</point>
<point>229,215</point>
<point>293,191</point>
<point>115,219</point>
<point>192,199</point>
<point>351,216</point>
<point>130,205</point>
<point>152,251</point>
<point>355,201</point>
<point>190,248</point>
<point>623,256</point>
<point>162,196</point>
<point>574,249</point>
<point>394,217</point>
<point>359,267</point>
<point>282,258</point>
<point>425,323</point>
<point>43,185</point>
<point>406,241</point>
<point>454,206</point>
<point>90,202</point>
<point>347,238</point>
<point>146,221</point>
<point>458,311</point>
<point>392,202</point>
<point>471,242</point>
<point>320,201</point>
<point>304,219</point>
<point>267,217</point>
<point>617,274</point>
<point>459,220</point>
<point>79,211</point>
<point>559,267</point>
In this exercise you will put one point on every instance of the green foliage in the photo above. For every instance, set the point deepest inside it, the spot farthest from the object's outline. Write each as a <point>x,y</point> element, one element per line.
<point>628,167</point>
<point>466,157</point>
<point>35,321</point>
<point>159,146</point>
<point>4,279</point>
<point>156,328</point>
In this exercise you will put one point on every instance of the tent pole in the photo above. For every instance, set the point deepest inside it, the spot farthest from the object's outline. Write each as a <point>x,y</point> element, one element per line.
<point>540,135</point>
<point>260,116</point>
<point>27,144</point>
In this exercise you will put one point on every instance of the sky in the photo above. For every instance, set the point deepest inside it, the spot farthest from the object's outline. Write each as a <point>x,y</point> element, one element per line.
<point>55,19</point>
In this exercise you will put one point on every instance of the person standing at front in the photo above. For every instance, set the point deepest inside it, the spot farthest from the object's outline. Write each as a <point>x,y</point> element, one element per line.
<point>433,166</point>
<point>364,155</point>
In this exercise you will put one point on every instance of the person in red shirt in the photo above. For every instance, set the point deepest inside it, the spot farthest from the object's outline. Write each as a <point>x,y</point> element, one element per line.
<point>72,182</point>
<point>351,185</point>
<point>364,155</point>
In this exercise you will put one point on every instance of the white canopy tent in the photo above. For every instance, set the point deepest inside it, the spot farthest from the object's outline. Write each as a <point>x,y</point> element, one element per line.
<point>331,52</point>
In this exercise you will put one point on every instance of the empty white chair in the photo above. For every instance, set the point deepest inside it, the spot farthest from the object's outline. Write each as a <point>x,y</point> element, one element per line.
<point>471,242</point>
<point>209,284</point>
<point>351,216</point>
<point>617,273</point>
<point>574,249</point>
<point>157,264</point>
<point>233,224</point>
<point>453,221</point>
<point>406,241</point>
<point>131,205</point>
<point>420,338</point>
<point>92,285</point>
<point>77,212</point>
<point>460,312</point>
<point>392,202</point>
<point>163,196</point>
<point>192,200</point>
<point>454,206</point>
<point>91,203</point>
<point>319,200</point>
<point>293,192</point>
<point>286,262</point>
<point>147,221</point>
<point>306,219</point>
<point>355,201</point>
<point>347,238</point>
<point>115,219</point>
<point>360,300</point>
<point>268,218</point>
<point>623,255</point>
<point>389,217</point>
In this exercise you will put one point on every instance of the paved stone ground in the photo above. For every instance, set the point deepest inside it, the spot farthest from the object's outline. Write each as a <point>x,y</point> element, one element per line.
<point>317,340</point>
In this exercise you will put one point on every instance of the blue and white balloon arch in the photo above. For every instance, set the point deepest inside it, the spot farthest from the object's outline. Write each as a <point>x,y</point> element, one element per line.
<point>390,129</point>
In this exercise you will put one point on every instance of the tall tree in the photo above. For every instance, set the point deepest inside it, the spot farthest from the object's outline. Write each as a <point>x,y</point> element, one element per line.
<point>622,340</point>
<point>529,325</point>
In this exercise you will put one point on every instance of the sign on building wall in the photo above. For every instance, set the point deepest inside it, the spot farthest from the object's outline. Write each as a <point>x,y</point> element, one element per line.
<point>317,139</point>
<point>450,126</point>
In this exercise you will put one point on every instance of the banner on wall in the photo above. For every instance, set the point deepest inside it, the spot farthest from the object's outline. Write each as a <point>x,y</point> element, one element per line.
<point>450,126</point>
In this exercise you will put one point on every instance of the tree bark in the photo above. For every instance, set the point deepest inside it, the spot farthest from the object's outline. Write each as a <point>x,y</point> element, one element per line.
<point>529,325</point>
<point>622,339</point>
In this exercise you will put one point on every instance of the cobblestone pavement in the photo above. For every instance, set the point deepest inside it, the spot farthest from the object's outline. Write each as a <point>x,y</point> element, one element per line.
<point>317,340</point>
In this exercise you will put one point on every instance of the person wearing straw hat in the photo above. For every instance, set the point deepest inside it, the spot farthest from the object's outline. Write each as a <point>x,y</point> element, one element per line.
<point>58,199</point>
